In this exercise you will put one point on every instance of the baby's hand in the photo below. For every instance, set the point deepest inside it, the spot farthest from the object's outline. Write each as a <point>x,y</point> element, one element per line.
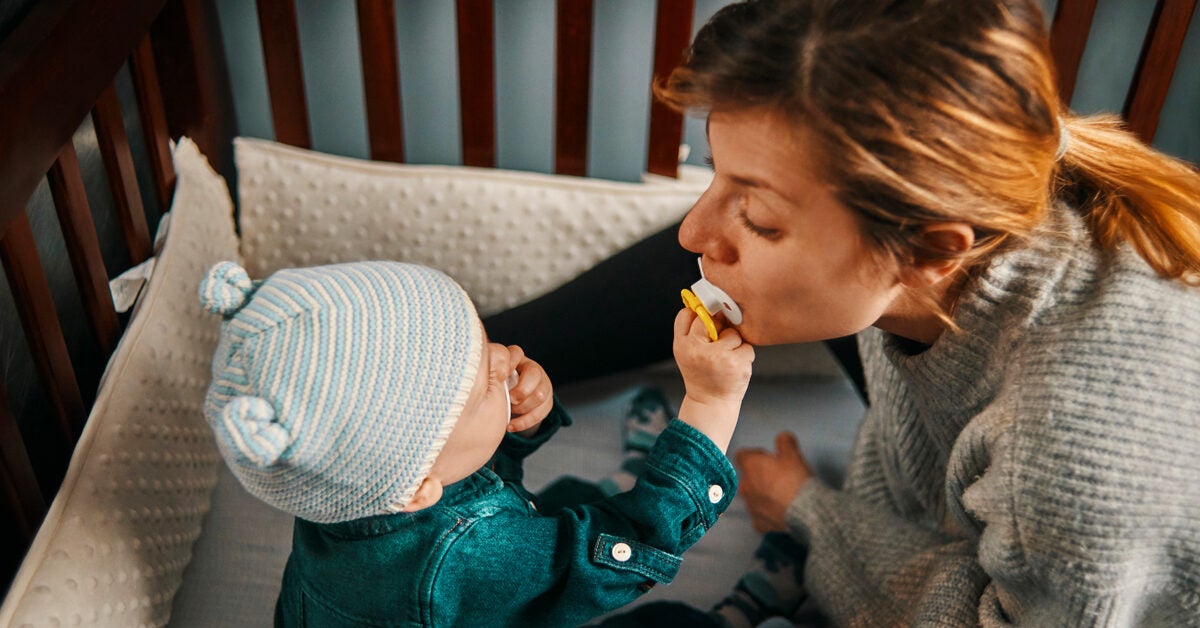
<point>715,376</point>
<point>532,396</point>
<point>712,371</point>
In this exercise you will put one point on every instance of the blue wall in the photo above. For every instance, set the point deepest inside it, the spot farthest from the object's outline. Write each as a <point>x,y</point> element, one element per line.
<point>622,58</point>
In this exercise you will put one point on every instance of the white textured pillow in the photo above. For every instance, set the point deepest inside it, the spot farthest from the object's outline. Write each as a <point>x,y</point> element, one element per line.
<point>506,236</point>
<point>118,535</point>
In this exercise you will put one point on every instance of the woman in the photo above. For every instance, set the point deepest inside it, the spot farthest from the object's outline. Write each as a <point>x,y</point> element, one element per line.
<point>1022,279</point>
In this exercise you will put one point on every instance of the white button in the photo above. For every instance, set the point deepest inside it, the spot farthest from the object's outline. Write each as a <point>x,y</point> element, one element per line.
<point>715,493</point>
<point>622,552</point>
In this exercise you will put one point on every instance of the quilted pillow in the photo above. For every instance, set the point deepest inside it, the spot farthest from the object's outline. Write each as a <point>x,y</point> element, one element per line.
<point>506,236</point>
<point>116,539</point>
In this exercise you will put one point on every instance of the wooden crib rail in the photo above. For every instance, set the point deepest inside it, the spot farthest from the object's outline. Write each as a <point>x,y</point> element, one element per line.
<point>1156,66</point>
<point>279,31</point>
<point>1068,37</point>
<point>572,85</point>
<point>54,72</point>
<point>381,78</point>
<point>83,245</point>
<point>154,120</point>
<point>476,24</point>
<point>53,68</point>
<point>122,179</point>
<point>285,75</point>
<point>672,35</point>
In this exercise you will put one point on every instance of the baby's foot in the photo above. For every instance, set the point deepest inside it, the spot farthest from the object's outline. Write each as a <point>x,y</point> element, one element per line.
<point>772,587</point>
<point>649,414</point>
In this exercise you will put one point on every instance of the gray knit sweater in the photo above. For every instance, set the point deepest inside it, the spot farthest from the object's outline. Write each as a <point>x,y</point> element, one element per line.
<point>1041,468</point>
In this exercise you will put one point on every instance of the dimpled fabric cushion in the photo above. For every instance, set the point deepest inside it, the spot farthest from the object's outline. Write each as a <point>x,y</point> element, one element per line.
<point>115,541</point>
<point>506,236</point>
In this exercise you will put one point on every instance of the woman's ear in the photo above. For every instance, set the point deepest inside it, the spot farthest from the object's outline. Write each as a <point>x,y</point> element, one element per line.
<point>947,241</point>
<point>428,494</point>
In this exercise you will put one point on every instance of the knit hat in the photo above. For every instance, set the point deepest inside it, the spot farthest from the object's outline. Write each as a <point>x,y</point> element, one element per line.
<point>335,387</point>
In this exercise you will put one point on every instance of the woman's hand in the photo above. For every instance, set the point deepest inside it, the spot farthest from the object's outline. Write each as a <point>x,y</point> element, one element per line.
<point>769,481</point>
<point>715,376</point>
<point>532,397</point>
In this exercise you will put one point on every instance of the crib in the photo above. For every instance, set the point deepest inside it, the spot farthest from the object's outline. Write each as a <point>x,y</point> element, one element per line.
<point>117,509</point>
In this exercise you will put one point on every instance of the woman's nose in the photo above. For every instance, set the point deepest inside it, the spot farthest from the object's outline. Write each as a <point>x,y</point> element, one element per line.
<point>700,231</point>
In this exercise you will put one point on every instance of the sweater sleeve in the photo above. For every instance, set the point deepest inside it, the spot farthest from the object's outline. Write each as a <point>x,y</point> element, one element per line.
<point>869,566</point>
<point>588,559</point>
<point>1054,527</point>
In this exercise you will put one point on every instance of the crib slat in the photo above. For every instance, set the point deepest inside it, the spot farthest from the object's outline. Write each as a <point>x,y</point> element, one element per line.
<point>194,80</point>
<point>22,496</point>
<point>573,81</point>
<point>39,318</point>
<point>154,121</point>
<point>1068,37</point>
<point>1160,52</point>
<point>122,178</point>
<point>285,77</point>
<point>673,31</point>
<point>83,245</point>
<point>477,96</point>
<point>381,78</point>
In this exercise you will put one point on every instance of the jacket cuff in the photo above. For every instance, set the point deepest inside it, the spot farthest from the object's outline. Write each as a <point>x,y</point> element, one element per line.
<point>686,455</point>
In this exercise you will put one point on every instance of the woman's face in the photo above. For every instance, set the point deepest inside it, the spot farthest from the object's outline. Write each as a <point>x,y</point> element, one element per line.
<point>774,237</point>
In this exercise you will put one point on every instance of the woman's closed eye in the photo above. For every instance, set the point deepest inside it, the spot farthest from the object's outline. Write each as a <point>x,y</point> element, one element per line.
<point>758,230</point>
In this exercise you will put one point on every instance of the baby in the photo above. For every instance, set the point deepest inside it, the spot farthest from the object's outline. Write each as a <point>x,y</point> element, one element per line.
<point>365,400</point>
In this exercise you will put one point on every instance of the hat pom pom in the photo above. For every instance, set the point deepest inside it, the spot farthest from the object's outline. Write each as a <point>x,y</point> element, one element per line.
<point>250,423</point>
<point>225,289</point>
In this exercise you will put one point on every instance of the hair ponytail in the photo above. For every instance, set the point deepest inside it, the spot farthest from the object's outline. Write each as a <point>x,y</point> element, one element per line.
<point>1129,192</point>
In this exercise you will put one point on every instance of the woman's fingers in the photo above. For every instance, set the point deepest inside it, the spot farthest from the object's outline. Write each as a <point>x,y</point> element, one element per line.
<point>770,480</point>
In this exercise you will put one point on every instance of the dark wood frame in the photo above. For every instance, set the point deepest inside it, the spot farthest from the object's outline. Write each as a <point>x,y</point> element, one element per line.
<point>55,70</point>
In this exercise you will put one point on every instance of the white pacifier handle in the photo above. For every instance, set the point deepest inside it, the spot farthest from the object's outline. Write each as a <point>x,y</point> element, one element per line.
<point>715,299</point>
<point>508,384</point>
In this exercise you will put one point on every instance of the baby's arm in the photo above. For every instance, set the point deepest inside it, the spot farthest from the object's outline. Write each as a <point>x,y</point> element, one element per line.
<point>715,377</point>
<point>576,563</point>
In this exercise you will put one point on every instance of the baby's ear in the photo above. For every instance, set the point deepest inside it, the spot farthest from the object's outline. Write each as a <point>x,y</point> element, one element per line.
<point>428,494</point>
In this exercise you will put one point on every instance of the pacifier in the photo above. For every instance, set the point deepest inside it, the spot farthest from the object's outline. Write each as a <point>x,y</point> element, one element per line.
<point>508,385</point>
<point>705,299</point>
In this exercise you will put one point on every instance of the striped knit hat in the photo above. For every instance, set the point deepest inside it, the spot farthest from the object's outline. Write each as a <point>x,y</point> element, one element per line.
<point>334,388</point>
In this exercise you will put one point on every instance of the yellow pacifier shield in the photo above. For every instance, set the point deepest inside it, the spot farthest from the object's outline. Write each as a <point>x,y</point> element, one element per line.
<point>692,302</point>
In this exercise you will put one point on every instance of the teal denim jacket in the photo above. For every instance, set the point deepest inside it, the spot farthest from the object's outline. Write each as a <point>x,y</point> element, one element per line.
<point>484,556</point>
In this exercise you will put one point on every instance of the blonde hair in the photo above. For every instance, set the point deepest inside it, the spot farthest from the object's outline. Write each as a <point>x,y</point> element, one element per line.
<point>942,110</point>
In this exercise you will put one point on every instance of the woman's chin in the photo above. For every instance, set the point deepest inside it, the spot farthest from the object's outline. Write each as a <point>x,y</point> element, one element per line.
<point>761,338</point>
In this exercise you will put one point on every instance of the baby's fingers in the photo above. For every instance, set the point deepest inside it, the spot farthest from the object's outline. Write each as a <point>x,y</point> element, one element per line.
<point>532,388</point>
<point>522,421</point>
<point>729,338</point>
<point>683,322</point>
<point>529,401</point>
